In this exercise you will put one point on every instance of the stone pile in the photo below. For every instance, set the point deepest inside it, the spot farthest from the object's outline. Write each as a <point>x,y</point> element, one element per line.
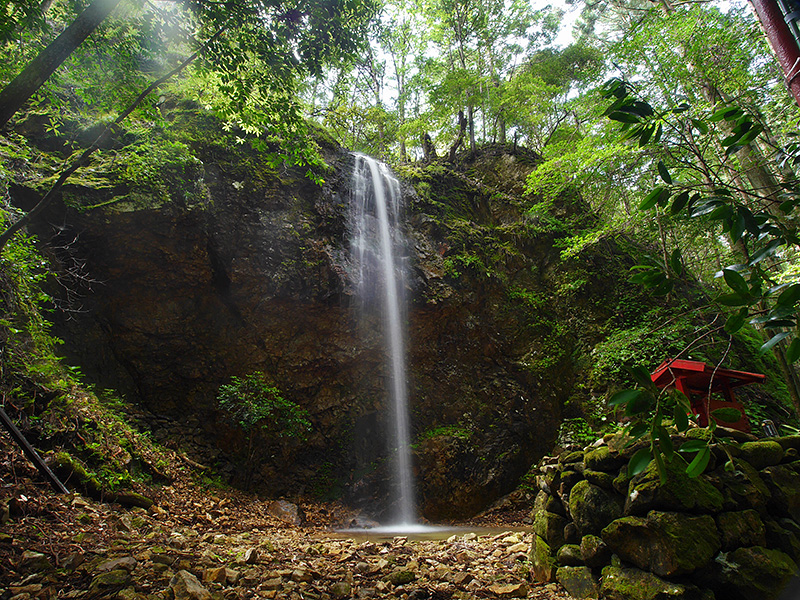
<point>727,534</point>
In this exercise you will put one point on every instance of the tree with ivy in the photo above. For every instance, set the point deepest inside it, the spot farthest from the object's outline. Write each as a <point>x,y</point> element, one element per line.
<point>265,418</point>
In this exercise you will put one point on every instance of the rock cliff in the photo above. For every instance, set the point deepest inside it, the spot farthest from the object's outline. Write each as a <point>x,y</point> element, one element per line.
<point>225,265</point>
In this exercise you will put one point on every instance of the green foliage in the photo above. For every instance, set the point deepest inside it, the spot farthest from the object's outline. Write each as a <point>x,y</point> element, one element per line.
<point>260,410</point>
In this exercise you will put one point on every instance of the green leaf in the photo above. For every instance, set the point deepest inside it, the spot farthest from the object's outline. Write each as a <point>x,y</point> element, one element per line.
<point>727,415</point>
<point>793,352</point>
<point>675,262</point>
<point>736,321</point>
<point>638,405</point>
<point>624,117</point>
<point>700,462</point>
<point>728,113</point>
<point>751,135</point>
<point>664,173</point>
<point>774,340</point>
<point>734,300</point>
<point>665,442</point>
<point>766,251</point>
<point>660,467</point>
<point>736,282</point>
<point>679,202</point>
<point>700,126</point>
<point>647,133</point>
<point>623,397</point>
<point>652,198</point>
<point>641,375</point>
<point>639,461</point>
<point>789,296</point>
<point>681,419</point>
<point>693,445</point>
<point>636,431</point>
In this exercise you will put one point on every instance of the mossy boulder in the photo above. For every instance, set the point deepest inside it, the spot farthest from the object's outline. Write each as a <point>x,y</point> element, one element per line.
<point>550,527</point>
<point>602,459</point>
<point>594,551</point>
<point>783,535</point>
<point>600,479</point>
<point>542,563</point>
<point>578,581</point>
<point>569,555</point>
<point>743,488</point>
<point>783,483</point>
<point>679,492</point>
<point>592,507</point>
<point>761,454</point>
<point>741,528</point>
<point>754,573</point>
<point>664,543</point>
<point>619,583</point>
<point>547,502</point>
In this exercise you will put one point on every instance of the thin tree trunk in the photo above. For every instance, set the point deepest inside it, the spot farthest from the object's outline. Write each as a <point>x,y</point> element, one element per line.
<point>24,85</point>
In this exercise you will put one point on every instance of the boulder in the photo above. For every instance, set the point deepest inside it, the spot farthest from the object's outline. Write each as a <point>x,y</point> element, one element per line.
<point>578,582</point>
<point>619,583</point>
<point>185,586</point>
<point>285,511</point>
<point>594,551</point>
<point>664,543</point>
<point>741,528</point>
<point>550,527</point>
<point>548,502</point>
<point>569,555</point>
<point>602,459</point>
<point>743,488</point>
<point>763,453</point>
<point>783,483</point>
<point>754,573</point>
<point>542,563</point>
<point>592,508</point>
<point>600,479</point>
<point>782,535</point>
<point>679,492</point>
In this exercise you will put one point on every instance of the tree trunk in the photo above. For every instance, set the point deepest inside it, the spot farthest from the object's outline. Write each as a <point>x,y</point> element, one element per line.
<point>24,85</point>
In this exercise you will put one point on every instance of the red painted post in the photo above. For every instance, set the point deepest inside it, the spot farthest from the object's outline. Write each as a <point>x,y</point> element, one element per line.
<point>783,43</point>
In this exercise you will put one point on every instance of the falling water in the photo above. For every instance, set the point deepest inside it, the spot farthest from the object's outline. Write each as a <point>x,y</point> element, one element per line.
<point>378,248</point>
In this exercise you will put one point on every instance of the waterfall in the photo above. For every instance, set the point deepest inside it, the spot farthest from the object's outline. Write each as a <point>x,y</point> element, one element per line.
<point>377,247</point>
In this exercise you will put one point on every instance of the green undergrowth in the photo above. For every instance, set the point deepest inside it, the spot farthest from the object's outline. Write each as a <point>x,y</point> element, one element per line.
<point>85,435</point>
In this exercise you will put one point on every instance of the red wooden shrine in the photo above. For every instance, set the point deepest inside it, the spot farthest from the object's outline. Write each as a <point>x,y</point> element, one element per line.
<point>699,381</point>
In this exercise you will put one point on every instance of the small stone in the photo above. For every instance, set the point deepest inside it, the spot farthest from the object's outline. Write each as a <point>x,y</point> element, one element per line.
<point>401,577</point>
<point>511,590</point>
<point>111,579</point>
<point>341,589</point>
<point>461,578</point>
<point>250,556</point>
<point>578,581</point>
<point>273,584</point>
<point>216,575</point>
<point>569,555</point>
<point>285,511</point>
<point>128,563</point>
<point>186,586</point>
<point>302,576</point>
<point>35,562</point>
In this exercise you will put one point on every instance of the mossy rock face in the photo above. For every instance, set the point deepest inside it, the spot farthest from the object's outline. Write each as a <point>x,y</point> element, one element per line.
<point>742,489</point>
<point>741,528</point>
<point>679,493</point>
<point>761,454</point>
<point>569,555</point>
<point>550,527</point>
<point>632,584</point>
<point>594,551</point>
<point>783,535</point>
<point>547,502</point>
<point>542,563</point>
<point>665,543</point>
<point>578,581</point>
<point>592,507</point>
<point>571,457</point>
<point>783,483</point>
<point>600,479</point>
<point>602,459</point>
<point>789,441</point>
<point>749,574</point>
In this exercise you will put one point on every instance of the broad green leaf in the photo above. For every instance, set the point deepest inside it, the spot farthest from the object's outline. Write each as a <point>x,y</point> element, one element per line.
<point>766,251</point>
<point>727,113</point>
<point>665,442</point>
<point>727,415</point>
<point>639,461</point>
<point>652,198</point>
<point>700,126</point>
<point>679,202</point>
<point>624,117</point>
<point>793,352</point>
<point>638,405</point>
<point>657,136</point>
<point>646,134</point>
<point>662,470</point>
<point>738,228</point>
<point>636,431</point>
<point>693,445</point>
<point>623,397</point>
<point>751,135</point>
<point>736,282</point>
<point>681,419</point>
<point>664,173</point>
<point>735,322</point>
<point>663,288</point>
<point>776,323</point>
<point>789,296</point>
<point>641,375</point>
<point>700,462</point>
<point>774,340</point>
<point>675,262</point>
<point>682,400</point>
<point>734,300</point>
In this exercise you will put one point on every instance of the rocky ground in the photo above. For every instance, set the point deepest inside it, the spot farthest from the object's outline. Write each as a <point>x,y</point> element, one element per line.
<point>199,542</point>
